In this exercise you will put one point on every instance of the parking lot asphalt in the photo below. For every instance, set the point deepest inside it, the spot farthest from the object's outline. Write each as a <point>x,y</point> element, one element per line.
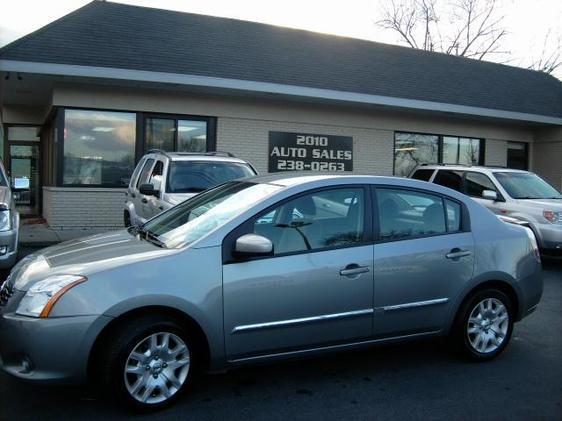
<point>420,380</point>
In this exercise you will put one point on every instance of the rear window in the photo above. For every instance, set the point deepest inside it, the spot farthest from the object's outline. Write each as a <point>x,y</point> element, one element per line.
<point>196,176</point>
<point>422,175</point>
<point>448,178</point>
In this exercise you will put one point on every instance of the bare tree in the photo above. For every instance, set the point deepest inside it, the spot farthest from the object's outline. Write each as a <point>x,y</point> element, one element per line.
<point>468,28</point>
<point>550,58</point>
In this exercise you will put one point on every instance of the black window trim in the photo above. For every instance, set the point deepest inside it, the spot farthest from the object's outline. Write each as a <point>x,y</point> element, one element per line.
<point>465,215</point>
<point>246,227</point>
<point>140,143</point>
<point>481,154</point>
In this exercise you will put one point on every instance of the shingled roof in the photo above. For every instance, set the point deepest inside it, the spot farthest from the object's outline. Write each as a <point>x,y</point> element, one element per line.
<point>113,35</point>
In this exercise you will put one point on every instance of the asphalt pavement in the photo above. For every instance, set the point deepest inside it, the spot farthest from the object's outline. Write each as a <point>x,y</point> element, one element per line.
<point>420,380</point>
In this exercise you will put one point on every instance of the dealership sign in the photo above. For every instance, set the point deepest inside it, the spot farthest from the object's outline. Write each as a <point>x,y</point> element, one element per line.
<point>309,152</point>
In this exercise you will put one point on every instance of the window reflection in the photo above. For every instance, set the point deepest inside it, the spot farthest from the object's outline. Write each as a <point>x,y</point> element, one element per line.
<point>461,150</point>
<point>411,150</point>
<point>192,136</point>
<point>99,147</point>
<point>160,134</point>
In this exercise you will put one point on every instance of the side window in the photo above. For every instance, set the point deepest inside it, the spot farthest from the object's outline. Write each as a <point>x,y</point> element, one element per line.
<point>156,176</point>
<point>324,219</point>
<point>453,216</point>
<point>476,183</point>
<point>451,179</point>
<point>422,175</point>
<point>133,180</point>
<point>407,214</point>
<point>145,172</point>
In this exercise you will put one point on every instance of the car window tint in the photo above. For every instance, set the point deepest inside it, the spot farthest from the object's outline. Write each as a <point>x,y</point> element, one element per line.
<point>406,214</point>
<point>448,178</point>
<point>453,215</point>
<point>156,176</point>
<point>329,218</point>
<point>145,173</point>
<point>476,183</point>
<point>423,175</point>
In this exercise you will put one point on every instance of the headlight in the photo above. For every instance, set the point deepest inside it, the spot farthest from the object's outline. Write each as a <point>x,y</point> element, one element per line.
<point>552,217</point>
<point>5,220</point>
<point>41,297</point>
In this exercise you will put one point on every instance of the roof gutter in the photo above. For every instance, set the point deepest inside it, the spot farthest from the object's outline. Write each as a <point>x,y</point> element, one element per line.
<point>266,87</point>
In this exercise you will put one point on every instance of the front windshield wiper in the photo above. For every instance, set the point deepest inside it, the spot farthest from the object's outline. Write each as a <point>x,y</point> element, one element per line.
<point>150,237</point>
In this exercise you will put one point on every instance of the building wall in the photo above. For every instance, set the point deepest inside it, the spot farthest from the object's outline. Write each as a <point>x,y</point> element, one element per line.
<point>547,155</point>
<point>242,128</point>
<point>83,208</point>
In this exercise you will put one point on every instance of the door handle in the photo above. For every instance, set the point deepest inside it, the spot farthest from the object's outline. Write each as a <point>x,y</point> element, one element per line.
<point>457,253</point>
<point>144,200</point>
<point>354,269</point>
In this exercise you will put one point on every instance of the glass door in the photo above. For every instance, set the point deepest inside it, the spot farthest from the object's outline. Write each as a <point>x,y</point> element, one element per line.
<point>24,176</point>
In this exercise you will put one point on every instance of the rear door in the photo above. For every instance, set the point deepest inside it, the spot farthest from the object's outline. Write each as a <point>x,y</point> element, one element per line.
<point>423,257</point>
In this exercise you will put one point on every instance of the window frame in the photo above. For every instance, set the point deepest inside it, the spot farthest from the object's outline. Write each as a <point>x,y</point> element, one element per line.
<point>464,222</point>
<point>247,227</point>
<point>481,152</point>
<point>140,147</point>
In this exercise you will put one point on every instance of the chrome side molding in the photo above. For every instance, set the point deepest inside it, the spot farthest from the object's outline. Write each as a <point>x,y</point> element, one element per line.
<point>416,304</point>
<point>302,320</point>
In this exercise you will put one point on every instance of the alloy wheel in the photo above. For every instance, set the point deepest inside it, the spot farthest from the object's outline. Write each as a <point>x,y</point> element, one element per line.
<point>488,325</point>
<point>157,368</point>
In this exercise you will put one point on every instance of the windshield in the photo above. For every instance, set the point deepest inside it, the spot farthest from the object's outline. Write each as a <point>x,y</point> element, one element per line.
<point>191,220</point>
<point>196,176</point>
<point>521,185</point>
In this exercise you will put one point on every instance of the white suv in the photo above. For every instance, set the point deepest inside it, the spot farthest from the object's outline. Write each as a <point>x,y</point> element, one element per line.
<point>518,194</point>
<point>161,180</point>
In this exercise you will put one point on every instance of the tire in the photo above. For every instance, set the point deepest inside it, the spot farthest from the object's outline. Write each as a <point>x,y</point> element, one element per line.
<point>484,325</point>
<point>138,368</point>
<point>127,219</point>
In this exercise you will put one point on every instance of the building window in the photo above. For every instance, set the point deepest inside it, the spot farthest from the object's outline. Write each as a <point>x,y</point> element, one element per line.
<point>461,150</point>
<point>176,134</point>
<point>99,147</point>
<point>518,155</point>
<point>413,149</point>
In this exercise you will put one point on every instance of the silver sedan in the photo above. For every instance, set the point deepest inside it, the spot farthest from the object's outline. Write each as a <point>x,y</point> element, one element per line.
<point>263,269</point>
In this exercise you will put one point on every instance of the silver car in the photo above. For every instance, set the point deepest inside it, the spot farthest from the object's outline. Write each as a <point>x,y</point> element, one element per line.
<point>9,223</point>
<point>516,194</point>
<point>263,269</point>
<point>164,179</point>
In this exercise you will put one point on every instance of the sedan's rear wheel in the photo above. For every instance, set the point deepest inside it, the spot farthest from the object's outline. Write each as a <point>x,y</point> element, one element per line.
<point>147,361</point>
<point>484,325</point>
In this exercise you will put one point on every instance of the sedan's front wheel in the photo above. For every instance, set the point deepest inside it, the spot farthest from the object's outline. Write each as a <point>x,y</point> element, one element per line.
<point>147,362</point>
<point>484,325</point>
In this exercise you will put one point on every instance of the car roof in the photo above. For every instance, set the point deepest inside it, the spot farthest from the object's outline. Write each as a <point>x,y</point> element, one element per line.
<point>294,178</point>
<point>478,168</point>
<point>191,156</point>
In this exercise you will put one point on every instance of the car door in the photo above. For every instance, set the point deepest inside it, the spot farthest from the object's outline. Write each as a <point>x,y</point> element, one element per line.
<point>423,256</point>
<point>316,288</point>
<point>141,200</point>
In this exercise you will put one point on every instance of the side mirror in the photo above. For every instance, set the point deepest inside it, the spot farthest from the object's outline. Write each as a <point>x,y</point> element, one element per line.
<point>148,190</point>
<point>251,245</point>
<point>490,195</point>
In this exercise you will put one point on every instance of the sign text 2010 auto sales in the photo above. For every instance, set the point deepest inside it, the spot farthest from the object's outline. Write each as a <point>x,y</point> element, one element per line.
<point>309,152</point>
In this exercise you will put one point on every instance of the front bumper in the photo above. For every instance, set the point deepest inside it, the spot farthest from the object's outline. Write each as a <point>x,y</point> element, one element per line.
<point>9,240</point>
<point>47,350</point>
<point>550,240</point>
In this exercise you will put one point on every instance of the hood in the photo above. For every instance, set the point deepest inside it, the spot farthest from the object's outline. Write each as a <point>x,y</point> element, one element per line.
<point>176,198</point>
<point>84,256</point>
<point>550,204</point>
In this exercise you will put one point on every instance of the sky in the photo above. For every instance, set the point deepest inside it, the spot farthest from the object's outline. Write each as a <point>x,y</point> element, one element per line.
<point>526,21</point>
